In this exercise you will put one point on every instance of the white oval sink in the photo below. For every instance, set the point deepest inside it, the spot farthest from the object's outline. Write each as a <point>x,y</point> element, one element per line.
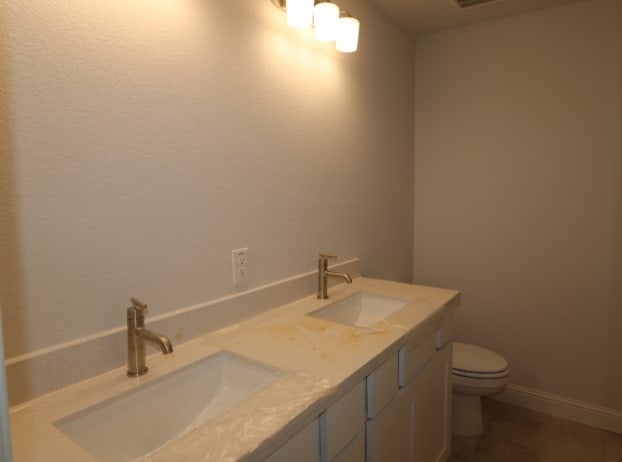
<point>362,309</point>
<point>140,421</point>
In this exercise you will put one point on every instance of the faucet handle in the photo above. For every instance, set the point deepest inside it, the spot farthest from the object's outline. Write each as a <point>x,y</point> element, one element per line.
<point>327,256</point>
<point>137,304</point>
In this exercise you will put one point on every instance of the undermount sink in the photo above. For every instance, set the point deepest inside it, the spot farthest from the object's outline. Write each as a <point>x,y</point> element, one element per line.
<point>140,421</point>
<point>362,309</point>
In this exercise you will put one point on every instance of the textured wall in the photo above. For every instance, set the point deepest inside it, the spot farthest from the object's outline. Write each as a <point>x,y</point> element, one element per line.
<point>518,191</point>
<point>147,139</point>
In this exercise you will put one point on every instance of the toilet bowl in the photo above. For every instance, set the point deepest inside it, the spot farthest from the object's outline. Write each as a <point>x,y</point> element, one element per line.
<point>477,372</point>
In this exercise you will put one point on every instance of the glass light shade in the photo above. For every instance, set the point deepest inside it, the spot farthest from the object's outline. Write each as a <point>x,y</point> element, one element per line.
<point>299,13</point>
<point>347,35</point>
<point>325,20</point>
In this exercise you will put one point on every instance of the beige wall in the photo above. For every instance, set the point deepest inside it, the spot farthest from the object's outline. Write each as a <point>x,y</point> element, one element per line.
<point>518,191</point>
<point>145,140</point>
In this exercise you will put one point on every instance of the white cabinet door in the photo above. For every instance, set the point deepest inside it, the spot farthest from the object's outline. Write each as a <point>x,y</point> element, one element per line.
<point>303,447</point>
<point>388,434</point>
<point>415,426</point>
<point>342,422</point>
<point>430,407</point>
<point>354,452</point>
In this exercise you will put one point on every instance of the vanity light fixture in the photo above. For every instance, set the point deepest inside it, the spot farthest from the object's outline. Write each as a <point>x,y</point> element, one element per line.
<point>330,22</point>
<point>347,33</point>
<point>299,13</point>
<point>325,21</point>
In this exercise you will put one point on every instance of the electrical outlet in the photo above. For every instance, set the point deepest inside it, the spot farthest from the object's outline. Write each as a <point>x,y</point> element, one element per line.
<point>240,259</point>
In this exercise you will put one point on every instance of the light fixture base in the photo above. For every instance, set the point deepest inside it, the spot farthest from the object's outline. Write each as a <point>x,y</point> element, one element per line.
<point>280,4</point>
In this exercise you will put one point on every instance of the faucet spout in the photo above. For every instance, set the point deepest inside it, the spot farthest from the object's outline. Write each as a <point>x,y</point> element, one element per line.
<point>163,342</point>
<point>137,335</point>
<point>345,276</point>
<point>324,274</point>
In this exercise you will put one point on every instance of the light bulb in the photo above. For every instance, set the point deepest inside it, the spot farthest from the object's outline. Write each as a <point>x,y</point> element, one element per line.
<point>347,34</point>
<point>299,13</point>
<point>325,20</point>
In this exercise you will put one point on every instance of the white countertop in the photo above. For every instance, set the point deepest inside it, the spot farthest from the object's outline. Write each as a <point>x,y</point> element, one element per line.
<point>321,361</point>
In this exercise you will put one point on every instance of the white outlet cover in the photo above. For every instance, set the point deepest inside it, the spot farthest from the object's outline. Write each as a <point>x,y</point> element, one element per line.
<point>240,261</point>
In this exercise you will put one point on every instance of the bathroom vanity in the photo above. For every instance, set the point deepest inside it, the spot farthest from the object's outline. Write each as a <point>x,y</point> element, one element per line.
<point>400,412</point>
<point>364,375</point>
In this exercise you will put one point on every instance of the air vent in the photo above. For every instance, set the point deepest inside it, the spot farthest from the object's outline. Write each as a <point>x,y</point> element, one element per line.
<point>472,3</point>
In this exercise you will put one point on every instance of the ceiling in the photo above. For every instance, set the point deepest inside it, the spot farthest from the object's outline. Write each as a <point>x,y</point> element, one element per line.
<point>425,16</point>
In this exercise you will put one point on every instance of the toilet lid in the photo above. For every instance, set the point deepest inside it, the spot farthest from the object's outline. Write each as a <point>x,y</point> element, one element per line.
<point>477,360</point>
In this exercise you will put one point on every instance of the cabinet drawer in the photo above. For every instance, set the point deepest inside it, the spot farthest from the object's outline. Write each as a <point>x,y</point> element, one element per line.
<point>412,359</point>
<point>304,446</point>
<point>341,422</point>
<point>381,386</point>
<point>446,333</point>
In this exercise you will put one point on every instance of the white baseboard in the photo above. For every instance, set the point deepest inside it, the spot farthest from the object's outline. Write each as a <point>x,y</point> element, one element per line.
<point>560,406</point>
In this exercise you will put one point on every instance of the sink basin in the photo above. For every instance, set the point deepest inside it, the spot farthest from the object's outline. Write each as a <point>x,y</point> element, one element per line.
<point>362,309</point>
<point>142,420</point>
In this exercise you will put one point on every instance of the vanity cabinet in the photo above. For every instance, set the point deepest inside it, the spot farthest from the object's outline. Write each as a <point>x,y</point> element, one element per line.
<point>401,412</point>
<point>415,425</point>
<point>338,435</point>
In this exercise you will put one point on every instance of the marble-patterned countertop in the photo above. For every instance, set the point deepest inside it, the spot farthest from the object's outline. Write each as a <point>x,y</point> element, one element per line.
<point>320,361</point>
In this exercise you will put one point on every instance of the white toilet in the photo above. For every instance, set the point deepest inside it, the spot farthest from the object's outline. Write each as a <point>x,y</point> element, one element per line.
<point>477,372</point>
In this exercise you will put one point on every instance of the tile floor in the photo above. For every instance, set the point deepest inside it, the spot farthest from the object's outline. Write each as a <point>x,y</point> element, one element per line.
<point>516,434</point>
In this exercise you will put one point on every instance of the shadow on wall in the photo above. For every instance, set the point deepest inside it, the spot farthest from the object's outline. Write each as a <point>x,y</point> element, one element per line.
<point>11,285</point>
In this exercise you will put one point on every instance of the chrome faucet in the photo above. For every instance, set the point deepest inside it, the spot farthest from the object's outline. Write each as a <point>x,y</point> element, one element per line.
<point>324,274</point>
<point>136,336</point>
